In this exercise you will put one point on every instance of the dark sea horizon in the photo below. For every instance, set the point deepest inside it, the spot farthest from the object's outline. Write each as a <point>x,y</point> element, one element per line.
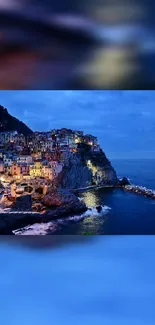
<point>122,213</point>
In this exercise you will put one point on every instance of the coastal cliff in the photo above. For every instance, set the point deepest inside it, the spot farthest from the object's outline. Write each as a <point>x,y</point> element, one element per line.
<point>10,123</point>
<point>86,168</point>
<point>75,174</point>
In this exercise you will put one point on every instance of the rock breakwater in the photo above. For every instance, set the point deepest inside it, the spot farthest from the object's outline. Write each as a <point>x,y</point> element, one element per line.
<point>141,190</point>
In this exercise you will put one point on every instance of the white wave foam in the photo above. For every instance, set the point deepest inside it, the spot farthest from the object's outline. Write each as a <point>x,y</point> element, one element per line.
<point>44,228</point>
<point>92,211</point>
<point>71,218</point>
<point>4,210</point>
<point>120,178</point>
<point>36,229</point>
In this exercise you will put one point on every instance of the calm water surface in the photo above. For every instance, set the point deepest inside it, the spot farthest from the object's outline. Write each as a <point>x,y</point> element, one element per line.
<point>141,172</point>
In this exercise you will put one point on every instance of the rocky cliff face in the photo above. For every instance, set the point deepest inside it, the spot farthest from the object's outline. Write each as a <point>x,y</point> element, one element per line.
<point>102,171</point>
<point>75,174</point>
<point>86,168</point>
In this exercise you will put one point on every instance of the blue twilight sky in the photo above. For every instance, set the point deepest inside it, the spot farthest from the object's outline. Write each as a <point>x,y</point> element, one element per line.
<point>123,121</point>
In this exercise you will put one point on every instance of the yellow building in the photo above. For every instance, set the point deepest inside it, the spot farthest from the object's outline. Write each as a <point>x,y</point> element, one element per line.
<point>36,169</point>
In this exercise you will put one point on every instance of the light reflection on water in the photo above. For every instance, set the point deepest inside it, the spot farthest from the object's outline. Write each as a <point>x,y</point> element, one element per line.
<point>109,280</point>
<point>90,198</point>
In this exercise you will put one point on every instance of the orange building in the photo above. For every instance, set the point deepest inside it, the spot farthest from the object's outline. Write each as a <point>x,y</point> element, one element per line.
<point>47,172</point>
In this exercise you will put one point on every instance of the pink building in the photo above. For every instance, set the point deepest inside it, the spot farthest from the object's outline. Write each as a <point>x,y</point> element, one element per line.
<point>15,170</point>
<point>19,169</point>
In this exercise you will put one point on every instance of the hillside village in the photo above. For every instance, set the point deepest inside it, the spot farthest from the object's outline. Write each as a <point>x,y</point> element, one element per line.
<point>40,154</point>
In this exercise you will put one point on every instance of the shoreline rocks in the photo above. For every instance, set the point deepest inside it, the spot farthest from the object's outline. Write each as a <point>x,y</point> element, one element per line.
<point>7,202</point>
<point>58,197</point>
<point>62,202</point>
<point>123,182</point>
<point>99,208</point>
<point>55,204</point>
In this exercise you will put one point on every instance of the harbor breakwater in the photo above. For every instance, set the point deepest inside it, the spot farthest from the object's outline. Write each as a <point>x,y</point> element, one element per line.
<point>141,190</point>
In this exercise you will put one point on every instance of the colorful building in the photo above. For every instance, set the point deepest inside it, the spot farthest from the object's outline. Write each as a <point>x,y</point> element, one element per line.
<point>15,170</point>
<point>36,168</point>
<point>24,169</point>
<point>47,172</point>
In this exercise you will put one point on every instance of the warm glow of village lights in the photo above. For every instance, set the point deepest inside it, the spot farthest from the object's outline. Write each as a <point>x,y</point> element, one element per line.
<point>40,155</point>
